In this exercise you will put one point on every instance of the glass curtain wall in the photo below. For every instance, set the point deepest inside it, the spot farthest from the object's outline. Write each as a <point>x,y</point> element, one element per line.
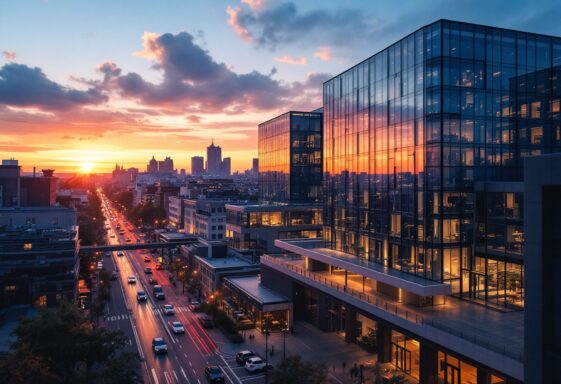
<point>410,131</point>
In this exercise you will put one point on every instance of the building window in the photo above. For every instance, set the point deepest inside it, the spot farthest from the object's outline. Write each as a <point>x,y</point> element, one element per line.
<point>42,301</point>
<point>28,246</point>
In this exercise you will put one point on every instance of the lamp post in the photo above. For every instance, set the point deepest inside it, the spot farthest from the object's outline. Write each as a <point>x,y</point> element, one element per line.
<point>284,332</point>
<point>266,330</point>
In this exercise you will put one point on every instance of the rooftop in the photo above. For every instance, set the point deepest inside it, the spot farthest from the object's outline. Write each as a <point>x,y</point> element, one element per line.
<point>226,262</point>
<point>251,285</point>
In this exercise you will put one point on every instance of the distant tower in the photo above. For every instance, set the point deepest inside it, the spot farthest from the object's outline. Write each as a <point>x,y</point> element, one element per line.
<point>226,166</point>
<point>152,166</point>
<point>214,159</point>
<point>197,165</point>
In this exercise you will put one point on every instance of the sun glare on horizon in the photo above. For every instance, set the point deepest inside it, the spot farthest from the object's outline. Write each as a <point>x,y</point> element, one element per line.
<point>86,168</point>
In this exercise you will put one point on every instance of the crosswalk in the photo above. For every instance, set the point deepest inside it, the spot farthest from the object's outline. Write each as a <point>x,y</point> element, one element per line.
<point>117,317</point>
<point>176,310</point>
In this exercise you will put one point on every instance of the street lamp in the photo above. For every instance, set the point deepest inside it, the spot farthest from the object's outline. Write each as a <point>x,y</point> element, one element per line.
<point>284,332</point>
<point>267,333</point>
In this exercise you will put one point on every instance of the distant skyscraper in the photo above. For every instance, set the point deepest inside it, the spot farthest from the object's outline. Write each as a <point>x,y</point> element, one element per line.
<point>166,166</point>
<point>226,166</point>
<point>197,165</point>
<point>152,166</point>
<point>214,159</point>
<point>255,167</point>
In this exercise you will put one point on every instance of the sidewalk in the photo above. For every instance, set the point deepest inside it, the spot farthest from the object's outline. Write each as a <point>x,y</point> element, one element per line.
<point>308,342</point>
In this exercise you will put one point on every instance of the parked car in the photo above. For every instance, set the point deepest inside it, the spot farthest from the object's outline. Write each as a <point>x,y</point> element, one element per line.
<point>194,305</point>
<point>177,327</point>
<point>141,296</point>
<point>159,345</point>
<point>132,280</point>
<point>254,364</point>
<point>159,292</point>
<point>206,321</point>
<point>168,309</point>
<point>214,374</point>
<point>242,356</point>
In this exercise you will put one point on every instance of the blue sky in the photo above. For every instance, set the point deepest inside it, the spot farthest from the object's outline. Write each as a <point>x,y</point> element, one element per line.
<point>275,54</point>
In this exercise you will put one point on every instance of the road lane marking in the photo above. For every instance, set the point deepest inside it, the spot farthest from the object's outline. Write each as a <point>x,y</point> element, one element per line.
<point>175,374</point>
<point>168,377</point>
<point>155,376</point>
<point>230,368</point>
<point>184,375</point>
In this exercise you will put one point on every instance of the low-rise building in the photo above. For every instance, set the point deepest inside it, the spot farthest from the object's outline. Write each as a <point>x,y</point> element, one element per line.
<point>205,218</point>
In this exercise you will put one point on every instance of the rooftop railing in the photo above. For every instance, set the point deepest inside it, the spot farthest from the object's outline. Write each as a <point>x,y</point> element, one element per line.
<point>391,308</point>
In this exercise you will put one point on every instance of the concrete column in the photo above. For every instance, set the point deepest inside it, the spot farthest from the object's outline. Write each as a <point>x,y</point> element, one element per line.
<point>384,339</point>
<point>350,325</point>
<point>429,364</point>
<point>322,312</point>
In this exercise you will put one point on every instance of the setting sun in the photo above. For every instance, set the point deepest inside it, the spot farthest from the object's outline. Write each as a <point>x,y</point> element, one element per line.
<point>86,168</point>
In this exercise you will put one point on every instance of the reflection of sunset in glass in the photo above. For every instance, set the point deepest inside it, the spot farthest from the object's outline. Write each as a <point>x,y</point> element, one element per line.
<point>86,168</point>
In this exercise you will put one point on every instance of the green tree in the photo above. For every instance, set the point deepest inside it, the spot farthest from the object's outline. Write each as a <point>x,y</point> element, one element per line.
<point>294,370</point>
<point>61,346</point>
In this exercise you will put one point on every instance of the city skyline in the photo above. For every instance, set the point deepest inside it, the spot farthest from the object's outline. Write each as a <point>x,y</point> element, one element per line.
<point>81,96</point>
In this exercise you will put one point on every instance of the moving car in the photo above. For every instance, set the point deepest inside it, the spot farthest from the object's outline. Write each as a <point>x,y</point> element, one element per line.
<point>132,280</point>
<point>254,364</point>
<point>243,356</point>
<point>148,270</point>
<point>214,374</point>
<point>159,267</point>
<point>194,305</point>
<point>159,292</point>
<point>112,235</point>
<point>141,296</point>
<point>159,345</point>
<point>128,240</point>
<point>99,265</point>
<point>147,259</point>
<point>114,275</point>
<point>107,254</point>
<point>177,327</point>
<point>120,253</point>
<point>168,309</point>
<point>152,281</point>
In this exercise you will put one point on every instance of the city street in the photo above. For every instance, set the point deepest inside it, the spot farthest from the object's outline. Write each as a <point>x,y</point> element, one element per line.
<point>189,353</point>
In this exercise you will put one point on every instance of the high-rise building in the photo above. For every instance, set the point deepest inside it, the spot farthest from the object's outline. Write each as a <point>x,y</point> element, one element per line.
<point>152,166</point>
<point>26,191</point>
<point>166,166</point>
<point>226,167</point>
<point>290,158</point>
<point>214,159</point>
<point>424,245</point>
<point>197,165</point>
<point>255,167</point>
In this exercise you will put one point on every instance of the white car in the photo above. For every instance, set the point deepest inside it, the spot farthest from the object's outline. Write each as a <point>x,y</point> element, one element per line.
<point>132,280</point>
<point>168,309</point>
<point>254,364</point>
<point>120,253</point>
<point>177,327</point>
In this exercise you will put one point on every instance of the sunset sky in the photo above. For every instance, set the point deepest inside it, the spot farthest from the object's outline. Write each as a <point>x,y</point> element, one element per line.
<point>100,82</point>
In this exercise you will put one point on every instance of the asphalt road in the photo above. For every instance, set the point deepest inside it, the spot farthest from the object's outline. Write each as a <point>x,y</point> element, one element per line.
<point>189,353</point>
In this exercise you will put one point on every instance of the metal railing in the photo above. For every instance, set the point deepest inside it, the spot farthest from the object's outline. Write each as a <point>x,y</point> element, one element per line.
<point>394,309</point>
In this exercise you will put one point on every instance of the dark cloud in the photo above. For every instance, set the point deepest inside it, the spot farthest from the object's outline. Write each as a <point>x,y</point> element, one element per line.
<point>194,82</point>
<point>24,86</point>
<point>283,24</point>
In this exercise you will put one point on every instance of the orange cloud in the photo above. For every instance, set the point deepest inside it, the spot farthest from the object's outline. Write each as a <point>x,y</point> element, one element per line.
<point>291,60</point>
<point>255,4</point>
<point>234,22</point>
<point>9,55</point>
<point>151,48</point>
<point>324,54</point>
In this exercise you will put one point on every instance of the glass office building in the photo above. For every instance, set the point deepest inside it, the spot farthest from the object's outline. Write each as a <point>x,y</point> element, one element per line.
<point>290,158</point>
<point>423,151</point>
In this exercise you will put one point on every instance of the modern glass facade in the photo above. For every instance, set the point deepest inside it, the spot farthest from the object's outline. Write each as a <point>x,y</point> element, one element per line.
<point>415,134</point>
<point>290,158</point>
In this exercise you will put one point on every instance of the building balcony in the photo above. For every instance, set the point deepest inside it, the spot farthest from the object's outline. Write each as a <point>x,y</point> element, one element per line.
<point>315,249</point>
<point>479,333</point>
